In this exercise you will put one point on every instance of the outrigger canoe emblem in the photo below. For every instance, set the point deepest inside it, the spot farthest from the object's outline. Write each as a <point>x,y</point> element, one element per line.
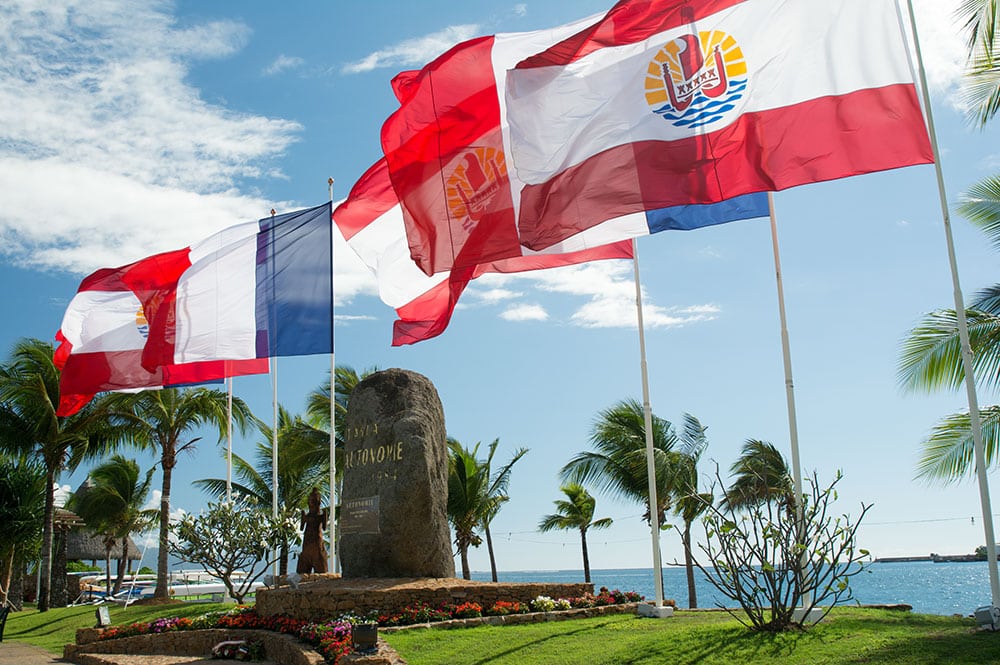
<point>697,80</point>
<point>711,81</point>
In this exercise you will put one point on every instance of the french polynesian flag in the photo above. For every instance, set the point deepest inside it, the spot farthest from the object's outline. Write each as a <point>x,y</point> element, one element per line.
<point>104,332</point>
<point>446,153</point>
<point>665,102</point>
<point>371,221</point>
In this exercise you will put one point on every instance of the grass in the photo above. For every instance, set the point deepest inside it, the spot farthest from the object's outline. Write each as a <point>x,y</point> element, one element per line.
<point>51,630</point>
<point>848,636</point>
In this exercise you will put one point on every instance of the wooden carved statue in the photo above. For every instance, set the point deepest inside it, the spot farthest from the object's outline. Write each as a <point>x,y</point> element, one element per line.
<point>313,556</point>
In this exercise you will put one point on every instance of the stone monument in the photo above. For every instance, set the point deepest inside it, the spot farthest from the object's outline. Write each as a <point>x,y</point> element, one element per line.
<point>313,556</point>
<point>393,520</point>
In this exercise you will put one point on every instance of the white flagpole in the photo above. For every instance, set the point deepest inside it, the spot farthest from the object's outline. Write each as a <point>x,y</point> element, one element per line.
<point>654,521</point>
<point>332,524</point>
<point>273,343</point>
<point>229,440</point>
<point>963,333</point>
<point>786,355</point>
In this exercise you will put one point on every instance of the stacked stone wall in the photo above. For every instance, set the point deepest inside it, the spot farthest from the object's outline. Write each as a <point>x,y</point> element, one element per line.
<point>327,599</point>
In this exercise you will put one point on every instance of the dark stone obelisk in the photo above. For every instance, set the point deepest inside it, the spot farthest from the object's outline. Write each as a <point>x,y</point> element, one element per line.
<point>393,520</point>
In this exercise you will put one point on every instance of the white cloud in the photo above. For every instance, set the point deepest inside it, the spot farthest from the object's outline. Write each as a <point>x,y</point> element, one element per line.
<point>520,9</point>
<point>609,290</point>
<point>525,313</point>
<point>281,64</point>
<point>414,52</point>
<point>62,493</point>
<point>942,45</point>
<point>109,154</point>
<point>492,296</point>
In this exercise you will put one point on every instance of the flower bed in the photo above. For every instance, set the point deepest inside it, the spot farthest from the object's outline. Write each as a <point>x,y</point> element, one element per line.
<point>332,639</point>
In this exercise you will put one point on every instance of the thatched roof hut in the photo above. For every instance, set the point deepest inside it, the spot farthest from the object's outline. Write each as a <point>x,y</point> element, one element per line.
<point>83,545</point>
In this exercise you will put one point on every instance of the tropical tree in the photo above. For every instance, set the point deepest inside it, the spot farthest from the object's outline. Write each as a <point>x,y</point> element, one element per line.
<point>689,503</point>
<point>496,494</point>
<point>296,477</point>
<point>475,495</point>
<point>467,484</point>
<point>617,464</point>
<point>931,356</point>
<point>29,397</point>
<point>576,511</point>
<point>112,505</point>
<point>162,421</point>
<point>22,510</point>
<point>761,475</point>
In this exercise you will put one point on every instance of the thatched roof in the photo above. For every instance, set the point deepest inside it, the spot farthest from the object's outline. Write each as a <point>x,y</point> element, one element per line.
<point>84,545</point>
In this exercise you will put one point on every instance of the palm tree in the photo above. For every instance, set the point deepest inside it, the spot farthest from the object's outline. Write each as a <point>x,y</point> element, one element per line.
<point>761,475</point>
<point>22,510</point>
<point>112,505</point>
<point>618,463</point>
<point>689,503</point>
<point>981,91</point>
<point>296,477</point>
<point>575,512</point>
<point>467,484</point>
<point>931,356</point>
<point>496,494</point>
<point>160,421</point>
<point>29,396</point>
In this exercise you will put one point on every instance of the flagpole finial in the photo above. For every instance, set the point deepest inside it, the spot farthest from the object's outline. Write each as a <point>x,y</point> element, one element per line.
<point>272,212</point>
<point>329,181</point>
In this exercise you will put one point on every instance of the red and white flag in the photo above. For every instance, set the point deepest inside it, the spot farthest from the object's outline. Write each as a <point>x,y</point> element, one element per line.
<point>664,102</point>
<point>371,220</point>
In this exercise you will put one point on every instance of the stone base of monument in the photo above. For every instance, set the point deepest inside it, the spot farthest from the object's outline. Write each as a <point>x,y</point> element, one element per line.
<point>322,597</point>
<point>653,611</point>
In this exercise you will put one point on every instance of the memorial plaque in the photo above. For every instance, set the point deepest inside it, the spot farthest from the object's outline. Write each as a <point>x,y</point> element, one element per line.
<point>394,520</point>
<point>360,515</point>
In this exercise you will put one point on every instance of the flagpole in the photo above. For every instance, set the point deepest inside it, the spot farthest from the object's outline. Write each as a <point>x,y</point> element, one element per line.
<point>786,356</point>
<point>654,513</point>
<point>332,525</point>
<point>963,332</point>
<point>273,344</point>
<point>229,440</point>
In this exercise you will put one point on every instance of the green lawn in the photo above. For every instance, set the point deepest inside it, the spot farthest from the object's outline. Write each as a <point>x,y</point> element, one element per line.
<point>847,636</point>
<point>51,630</point>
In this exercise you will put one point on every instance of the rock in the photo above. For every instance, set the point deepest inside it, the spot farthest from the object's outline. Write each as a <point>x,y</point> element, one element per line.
<point>394,519</point>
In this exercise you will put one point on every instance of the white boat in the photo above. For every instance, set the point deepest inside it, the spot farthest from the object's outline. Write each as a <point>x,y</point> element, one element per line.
<point>183,584</point>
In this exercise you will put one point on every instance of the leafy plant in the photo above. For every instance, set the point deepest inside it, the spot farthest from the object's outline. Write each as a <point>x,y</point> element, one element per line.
<point>776,567</point>
<point>230,538</point>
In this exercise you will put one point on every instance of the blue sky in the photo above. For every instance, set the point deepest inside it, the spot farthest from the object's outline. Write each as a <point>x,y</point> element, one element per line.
<point>132,128</point>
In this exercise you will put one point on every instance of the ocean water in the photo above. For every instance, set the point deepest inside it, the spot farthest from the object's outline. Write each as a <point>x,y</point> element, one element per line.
<point>931,588</point>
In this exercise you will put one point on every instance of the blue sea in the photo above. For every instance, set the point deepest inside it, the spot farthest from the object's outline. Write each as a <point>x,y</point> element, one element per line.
<point>931,588</point>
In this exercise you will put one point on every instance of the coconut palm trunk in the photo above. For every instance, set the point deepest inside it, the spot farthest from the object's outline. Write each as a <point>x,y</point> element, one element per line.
<point>689,566</point>
<point>122,565</point>
<point>586,555</point>
<point>44,571</point>
<point>489,547</point>
<point>162,574</point>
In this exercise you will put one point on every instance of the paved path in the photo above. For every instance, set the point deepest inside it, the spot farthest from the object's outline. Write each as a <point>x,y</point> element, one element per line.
<point>19,653</point>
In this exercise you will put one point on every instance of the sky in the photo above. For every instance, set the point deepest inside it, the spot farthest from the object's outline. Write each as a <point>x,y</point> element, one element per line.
<point>137,127</point>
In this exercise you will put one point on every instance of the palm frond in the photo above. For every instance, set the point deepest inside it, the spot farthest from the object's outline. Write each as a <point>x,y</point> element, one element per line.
<point>948,452</point>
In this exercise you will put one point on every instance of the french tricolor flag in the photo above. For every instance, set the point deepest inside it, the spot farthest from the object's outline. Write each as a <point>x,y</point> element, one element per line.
<point>216,309</point>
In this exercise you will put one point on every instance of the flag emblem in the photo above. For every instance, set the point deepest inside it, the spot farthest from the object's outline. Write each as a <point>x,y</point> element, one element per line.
<point>474,182</point>
<point>141,324</point>
<point>697,80</point>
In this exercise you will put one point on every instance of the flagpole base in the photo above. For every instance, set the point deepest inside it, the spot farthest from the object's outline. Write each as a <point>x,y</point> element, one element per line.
<point>799,615</point>
<point>655,611</point>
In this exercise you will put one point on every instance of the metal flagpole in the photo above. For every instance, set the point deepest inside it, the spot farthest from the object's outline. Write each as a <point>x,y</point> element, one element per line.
<point>332,525</point>
<point>786,355</point>
<point>654,514</point>
<point>963,333</point>
<point>229,440</point>
<point>273,344</point>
